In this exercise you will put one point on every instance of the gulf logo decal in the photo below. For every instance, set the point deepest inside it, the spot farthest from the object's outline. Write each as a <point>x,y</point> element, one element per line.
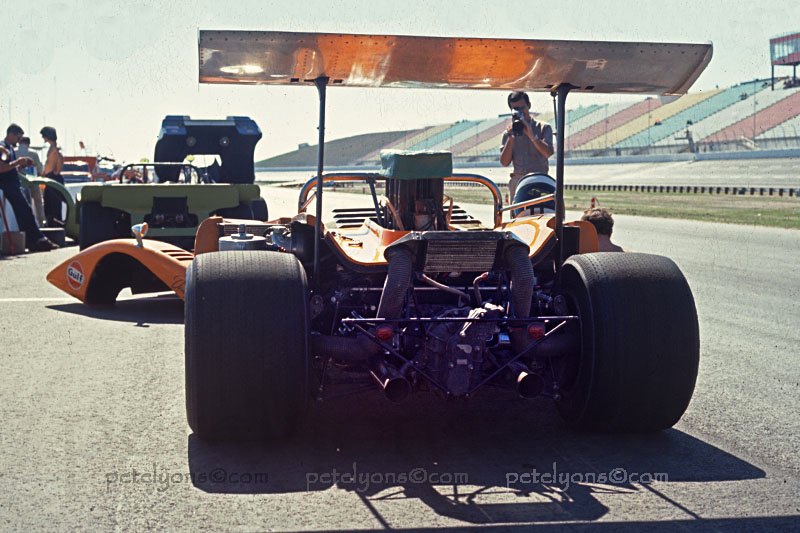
<point>75,275</point>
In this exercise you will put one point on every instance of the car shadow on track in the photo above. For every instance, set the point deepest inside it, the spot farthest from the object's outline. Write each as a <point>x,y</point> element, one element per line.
<point>473,461</point>
<point>141,312</point>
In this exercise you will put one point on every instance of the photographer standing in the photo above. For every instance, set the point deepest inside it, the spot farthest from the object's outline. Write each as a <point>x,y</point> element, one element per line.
<point>526,142</point>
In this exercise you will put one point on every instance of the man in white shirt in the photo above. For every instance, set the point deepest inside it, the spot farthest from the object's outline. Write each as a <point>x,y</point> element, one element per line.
<point>24,150</point>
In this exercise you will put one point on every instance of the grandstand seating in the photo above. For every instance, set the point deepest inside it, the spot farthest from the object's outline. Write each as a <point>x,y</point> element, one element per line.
<point>549,117</point>
<point>678,122</point>
<point>580,112</point>
<point>576,118</point>
<point>443,137</point>
<point>601,113</point>
<point>720,120</point>
<point>730,114</point>
<point>489,147</point>
<point>601,127</point>
<point>467,147</point>
<point>475,129</point>
<point>765,119</point>
<point>407,137</point>
<point>788,129</point>
<point>642,122</point>
<point>420,138</point>
<point>338,152</point>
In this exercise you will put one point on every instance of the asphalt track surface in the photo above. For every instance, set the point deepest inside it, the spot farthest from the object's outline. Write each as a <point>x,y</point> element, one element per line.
<point>93,431</point>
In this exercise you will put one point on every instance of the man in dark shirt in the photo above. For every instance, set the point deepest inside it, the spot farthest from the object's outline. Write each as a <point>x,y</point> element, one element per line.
<point>11,188</point>
<point>531,148</point>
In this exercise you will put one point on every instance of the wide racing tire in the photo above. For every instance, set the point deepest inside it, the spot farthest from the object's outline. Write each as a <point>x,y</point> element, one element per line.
<point>259,208</point>
<point>246,345</point>
<point>97,224</point>
<point>640,345</point>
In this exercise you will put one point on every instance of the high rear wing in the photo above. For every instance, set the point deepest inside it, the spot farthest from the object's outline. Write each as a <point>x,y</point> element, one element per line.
<point>285,58</point>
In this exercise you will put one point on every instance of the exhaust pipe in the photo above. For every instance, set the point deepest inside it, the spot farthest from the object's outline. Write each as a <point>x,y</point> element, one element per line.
<point>395,386</point>
<point>529,385</point>
<point>560,345</point>
<point>347,349</point>
<point>398,280</point>
<point>522,281</point>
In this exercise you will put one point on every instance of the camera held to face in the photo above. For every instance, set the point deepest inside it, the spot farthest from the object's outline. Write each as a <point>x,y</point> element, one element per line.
<point>517,122</point>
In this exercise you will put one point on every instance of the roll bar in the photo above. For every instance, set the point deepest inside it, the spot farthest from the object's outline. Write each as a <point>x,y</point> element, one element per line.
<point>371,177</point>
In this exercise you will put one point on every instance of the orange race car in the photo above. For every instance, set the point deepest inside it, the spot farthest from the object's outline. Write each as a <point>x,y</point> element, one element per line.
<point>409,290</point>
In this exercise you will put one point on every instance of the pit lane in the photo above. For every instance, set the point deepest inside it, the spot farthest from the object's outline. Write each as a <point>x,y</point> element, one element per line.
<point>94,432</point>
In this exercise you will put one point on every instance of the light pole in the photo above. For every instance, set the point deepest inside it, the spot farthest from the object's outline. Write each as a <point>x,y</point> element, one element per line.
<point>649,124</point>
<point>754,111</point>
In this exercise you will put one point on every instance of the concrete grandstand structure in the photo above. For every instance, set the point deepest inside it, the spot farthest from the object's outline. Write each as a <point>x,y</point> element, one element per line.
<point>745,117</point>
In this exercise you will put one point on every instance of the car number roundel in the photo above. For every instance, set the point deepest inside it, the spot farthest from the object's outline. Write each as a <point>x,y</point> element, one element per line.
<point>75,275</point>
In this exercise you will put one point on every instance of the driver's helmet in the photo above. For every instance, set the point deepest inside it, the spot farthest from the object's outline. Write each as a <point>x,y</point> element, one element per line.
<point>531,187</point>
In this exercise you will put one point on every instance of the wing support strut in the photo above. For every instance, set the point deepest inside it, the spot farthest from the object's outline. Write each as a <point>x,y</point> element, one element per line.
<point>322,85</point>
<point>560,92</point>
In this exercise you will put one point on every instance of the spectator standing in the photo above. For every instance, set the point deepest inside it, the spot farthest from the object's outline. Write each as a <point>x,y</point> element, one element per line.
<point>24,150</point>
<point>52,169</point>
<point>11,188</point>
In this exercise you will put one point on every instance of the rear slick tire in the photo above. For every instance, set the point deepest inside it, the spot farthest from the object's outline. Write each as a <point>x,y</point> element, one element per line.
<point>640,346</point>
<point>246,345</point>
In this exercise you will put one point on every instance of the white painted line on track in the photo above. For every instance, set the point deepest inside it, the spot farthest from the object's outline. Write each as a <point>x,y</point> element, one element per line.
<point>151,296</point>
<point>14,300</point>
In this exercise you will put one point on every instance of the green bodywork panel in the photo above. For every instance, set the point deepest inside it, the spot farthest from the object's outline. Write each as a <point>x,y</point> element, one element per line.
<point>137,199</point>
<point>416,165</point>
<point>71,223</point>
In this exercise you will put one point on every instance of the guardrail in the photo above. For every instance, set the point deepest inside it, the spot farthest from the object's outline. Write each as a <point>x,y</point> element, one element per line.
<point>663,189</point>
<point>689,189</point>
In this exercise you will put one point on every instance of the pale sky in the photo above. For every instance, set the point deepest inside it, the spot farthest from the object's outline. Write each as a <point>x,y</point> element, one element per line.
<point>108,72</point>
